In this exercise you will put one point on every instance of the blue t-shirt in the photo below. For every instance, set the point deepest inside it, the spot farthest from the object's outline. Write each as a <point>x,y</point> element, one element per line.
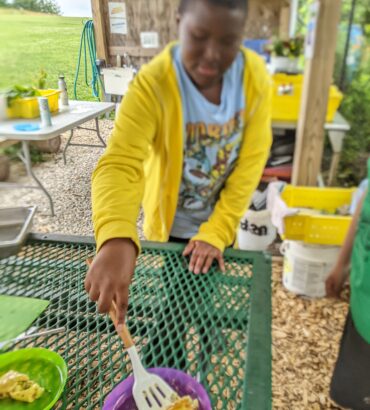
<point>212,138</point>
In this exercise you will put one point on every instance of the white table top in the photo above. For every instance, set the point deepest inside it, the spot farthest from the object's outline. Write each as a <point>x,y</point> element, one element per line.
<point>79,112</point>
<point>339,123</point>
<point>66,119</point>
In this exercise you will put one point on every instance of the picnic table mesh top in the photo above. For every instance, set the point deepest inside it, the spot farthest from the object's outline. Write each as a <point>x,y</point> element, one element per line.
<point>216,327</point>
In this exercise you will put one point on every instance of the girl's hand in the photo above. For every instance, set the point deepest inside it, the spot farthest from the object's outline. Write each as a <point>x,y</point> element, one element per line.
<point>335,281</point>
<point>109,277</point>
<point>202,256</point>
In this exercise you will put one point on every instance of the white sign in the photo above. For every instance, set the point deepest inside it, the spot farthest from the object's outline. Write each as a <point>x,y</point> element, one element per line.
<point>117,80</point>
<point>311,30</point>
<point>117,18</point>
<point>149,39</point>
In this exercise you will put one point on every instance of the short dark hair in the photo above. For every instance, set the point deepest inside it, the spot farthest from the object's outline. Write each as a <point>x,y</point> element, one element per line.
<point>231,4</point>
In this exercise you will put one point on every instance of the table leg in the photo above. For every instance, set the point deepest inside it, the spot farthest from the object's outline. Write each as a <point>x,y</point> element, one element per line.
<point>107,98</point>
<point>336,140</point>
<point>26,159</point>
<point>66,147</point>
<point>69,141</point>
<point>333,168</point>
<point>98,132</point>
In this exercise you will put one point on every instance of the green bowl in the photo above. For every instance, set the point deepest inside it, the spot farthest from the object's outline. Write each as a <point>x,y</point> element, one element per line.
<point>43,366</point>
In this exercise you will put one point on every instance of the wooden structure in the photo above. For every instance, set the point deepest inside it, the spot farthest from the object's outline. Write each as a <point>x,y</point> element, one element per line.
<point>265,18</point>
<point>317,80</point>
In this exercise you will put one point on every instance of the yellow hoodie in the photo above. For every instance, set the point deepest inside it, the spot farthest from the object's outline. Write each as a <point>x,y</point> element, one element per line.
<point>144,158</point>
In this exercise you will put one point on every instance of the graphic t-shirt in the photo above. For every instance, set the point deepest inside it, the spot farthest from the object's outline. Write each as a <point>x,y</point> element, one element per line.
<point>212,139</point>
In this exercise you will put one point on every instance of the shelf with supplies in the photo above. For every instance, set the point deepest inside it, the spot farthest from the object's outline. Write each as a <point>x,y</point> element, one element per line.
<point>280,166</point>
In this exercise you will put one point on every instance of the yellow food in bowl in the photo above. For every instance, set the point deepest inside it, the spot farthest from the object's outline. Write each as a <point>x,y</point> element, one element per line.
<point>18,386</point>
<point>184,403</point>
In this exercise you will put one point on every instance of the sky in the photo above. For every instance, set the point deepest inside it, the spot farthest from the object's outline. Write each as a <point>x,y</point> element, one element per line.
<point>75,8</point>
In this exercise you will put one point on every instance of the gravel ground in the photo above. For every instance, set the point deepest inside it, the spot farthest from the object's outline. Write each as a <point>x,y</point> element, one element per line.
<point>69,185</point>
<point>306,333</point>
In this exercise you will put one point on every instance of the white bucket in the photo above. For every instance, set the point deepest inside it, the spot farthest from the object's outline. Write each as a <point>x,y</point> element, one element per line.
<point>306,267</point>
<point>283,64</point>
<point>256,231</point>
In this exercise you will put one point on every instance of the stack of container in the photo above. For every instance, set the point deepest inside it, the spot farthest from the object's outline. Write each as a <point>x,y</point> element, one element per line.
<point>313,236</point>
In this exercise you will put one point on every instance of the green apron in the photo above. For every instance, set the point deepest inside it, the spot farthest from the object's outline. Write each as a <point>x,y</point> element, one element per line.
<point>360,271</point>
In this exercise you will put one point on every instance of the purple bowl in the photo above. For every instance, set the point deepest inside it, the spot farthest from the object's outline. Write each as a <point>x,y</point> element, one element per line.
<point>121,398</point>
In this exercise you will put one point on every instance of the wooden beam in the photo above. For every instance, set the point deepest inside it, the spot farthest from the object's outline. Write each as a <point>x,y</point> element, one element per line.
<point>100,30</point>
<point>284,23</point>
<point>133,51</point>
<point>317,81</point>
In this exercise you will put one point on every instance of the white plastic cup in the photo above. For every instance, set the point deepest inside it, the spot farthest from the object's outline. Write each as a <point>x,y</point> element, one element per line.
<point>44,112</point>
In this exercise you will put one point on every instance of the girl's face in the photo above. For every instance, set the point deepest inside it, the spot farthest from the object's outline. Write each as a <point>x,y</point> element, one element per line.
<point>210,37</point>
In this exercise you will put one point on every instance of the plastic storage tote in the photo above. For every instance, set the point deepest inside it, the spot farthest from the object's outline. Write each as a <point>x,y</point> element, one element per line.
<point>29,107</point>
<point>323,229</point>
<point>286,107</point>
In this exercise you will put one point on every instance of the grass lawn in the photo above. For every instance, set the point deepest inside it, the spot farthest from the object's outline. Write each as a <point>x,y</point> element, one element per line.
<point>30,42</point>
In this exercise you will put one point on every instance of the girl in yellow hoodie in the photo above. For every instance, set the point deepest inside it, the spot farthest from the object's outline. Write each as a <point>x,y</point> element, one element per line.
<point>189,144</point>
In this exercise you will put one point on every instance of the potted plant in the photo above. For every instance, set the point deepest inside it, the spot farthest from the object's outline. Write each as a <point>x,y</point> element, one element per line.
<point>285,53</point>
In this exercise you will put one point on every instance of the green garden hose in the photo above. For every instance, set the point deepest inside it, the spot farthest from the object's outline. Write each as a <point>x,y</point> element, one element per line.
<point>88,49</point>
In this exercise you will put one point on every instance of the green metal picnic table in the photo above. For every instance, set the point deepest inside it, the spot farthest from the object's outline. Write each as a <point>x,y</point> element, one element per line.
<point>216,327</point>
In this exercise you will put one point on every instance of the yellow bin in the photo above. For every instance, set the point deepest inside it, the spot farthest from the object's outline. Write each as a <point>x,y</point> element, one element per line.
<point>286,107</point>
<point>312,228</point>
<point>29,107</point>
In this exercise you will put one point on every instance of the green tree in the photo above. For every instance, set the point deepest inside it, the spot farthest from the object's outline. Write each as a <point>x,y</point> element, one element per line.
<point>49,6</point>
<point>356,108</point>
<point>43,6</point>
<point>356,104</point>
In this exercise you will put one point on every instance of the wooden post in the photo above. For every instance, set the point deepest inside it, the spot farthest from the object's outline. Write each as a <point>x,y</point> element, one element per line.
<point>317,81</point>
<point>284,23</point>
<point>333,168</point>
<point>100,30</point>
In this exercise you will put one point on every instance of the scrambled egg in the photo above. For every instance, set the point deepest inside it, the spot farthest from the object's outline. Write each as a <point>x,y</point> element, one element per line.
<point>184,403</point>
<point>18,386</point>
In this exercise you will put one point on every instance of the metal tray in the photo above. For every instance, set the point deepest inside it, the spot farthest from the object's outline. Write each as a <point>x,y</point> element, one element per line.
<point>15,223</point>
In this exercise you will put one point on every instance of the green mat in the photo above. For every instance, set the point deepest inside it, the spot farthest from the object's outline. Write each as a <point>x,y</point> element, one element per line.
<point>16,314</point>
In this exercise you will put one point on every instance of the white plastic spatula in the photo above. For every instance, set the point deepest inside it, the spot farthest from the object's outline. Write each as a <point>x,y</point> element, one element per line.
<point>150,391</point>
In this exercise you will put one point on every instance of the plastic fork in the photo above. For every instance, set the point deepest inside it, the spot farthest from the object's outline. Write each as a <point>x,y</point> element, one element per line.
<point>30,335</point>
<point>150,391</point>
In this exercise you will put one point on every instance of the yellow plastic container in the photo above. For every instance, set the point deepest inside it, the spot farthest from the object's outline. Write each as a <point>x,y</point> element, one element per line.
<point>286,107</point>
<point>29,107</point>
<point>317,229</point>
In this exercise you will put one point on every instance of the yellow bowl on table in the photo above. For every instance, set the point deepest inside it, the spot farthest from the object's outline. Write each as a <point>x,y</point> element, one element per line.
<point>29,108</point>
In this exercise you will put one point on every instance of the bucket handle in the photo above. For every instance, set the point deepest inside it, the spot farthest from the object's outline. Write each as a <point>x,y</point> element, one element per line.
<point>284,247</point>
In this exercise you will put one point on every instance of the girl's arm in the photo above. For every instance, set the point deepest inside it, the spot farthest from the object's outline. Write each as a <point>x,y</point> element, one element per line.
<point>340,272</point>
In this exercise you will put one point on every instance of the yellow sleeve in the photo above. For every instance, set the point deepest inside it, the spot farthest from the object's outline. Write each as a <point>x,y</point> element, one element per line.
<point>118,180</point>
<point>235,197</point>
